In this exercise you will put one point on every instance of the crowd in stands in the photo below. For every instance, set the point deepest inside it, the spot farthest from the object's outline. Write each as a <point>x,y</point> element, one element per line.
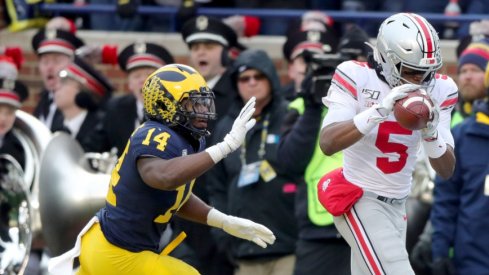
<point>272,178</point>
<point>23,14</point>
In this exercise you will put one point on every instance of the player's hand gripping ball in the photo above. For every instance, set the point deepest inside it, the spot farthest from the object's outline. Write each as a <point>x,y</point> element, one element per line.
<point>415,110</point>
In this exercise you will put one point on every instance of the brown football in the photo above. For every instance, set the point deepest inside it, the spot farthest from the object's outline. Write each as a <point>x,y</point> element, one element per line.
<point>414,111</point>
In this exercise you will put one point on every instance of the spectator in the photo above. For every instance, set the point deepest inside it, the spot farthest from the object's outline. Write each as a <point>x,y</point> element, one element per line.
<point>12,94</point>
<point>62,23</point>
<point>244,26</point>
<point>353,44</point>
<point>248,182</point>
<point>293,49</point>
<point>8,68</point>
<point>320,248</point>
<point>209,41</point>
<point>55,50</point>
<point>473,7</point>
<point>79,93</point>
<point>471,88</point>
<point>138,61</point>
<point>471,66</point>
<point>211,44</point>
<point>271,25</point>
<point>461,203</point>
<point>11,60</point>
<point>370,190</point>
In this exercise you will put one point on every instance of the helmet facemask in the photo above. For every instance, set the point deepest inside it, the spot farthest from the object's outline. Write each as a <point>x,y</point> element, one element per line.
<point>408,41</point>
<point>195,106</point>
<point>178,96</point>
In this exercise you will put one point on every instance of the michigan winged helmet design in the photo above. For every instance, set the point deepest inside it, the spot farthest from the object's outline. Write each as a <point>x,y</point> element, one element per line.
<point>175,95</point>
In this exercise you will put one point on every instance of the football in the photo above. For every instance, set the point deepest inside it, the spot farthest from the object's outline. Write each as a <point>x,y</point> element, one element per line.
<point>414,111</point>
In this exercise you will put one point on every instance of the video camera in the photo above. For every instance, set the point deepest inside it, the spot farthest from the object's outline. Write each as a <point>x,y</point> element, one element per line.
<point>319,73</point>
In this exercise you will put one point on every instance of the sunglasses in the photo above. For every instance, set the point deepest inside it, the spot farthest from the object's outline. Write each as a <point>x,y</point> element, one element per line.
<point>246,78</point>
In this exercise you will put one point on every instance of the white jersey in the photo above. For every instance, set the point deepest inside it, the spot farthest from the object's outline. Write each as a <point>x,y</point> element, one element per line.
<point>384,159</point>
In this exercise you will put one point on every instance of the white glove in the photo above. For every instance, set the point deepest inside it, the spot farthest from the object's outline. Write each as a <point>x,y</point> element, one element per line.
<point>241,228</point>
<point>395,94</point>
<point>431,132</point>
<point>368,119</point>
<point>232,141</point>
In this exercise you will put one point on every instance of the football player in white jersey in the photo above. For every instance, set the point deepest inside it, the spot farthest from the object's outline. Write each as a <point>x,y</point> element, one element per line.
<point>379,154</point>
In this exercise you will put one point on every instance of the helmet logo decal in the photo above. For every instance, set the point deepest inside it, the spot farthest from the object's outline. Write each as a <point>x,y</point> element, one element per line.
<point>313,36</point>
<point>8,84</point>
<point>202,23</point>
<point>139,47</point>
<point>50,33</point>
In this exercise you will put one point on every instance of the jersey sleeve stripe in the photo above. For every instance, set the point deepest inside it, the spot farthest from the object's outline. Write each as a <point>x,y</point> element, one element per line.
<point>453,94</point>
<point>449,102</point>
<point>345,84</point>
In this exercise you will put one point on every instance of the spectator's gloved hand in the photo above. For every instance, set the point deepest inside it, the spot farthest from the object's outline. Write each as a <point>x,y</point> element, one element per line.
<point>420,257</point>
<point>241,228</point>
<point>396,93</point>
<point>232,141</point>
<point>127,8</point>
<point>431,132</point>
<point>443,266</point>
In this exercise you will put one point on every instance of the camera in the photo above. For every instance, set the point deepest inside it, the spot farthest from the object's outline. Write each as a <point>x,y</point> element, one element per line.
<point>319,73</point>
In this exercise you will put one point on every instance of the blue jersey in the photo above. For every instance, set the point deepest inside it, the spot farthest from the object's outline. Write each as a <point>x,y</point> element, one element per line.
<point>136,214</point>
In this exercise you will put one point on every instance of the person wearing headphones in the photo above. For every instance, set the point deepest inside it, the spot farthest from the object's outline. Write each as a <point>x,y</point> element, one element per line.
<point>212,45</point>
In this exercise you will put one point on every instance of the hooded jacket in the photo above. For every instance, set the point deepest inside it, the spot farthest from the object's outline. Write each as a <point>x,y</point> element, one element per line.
<point>461,203</point>
<point>270,203</point>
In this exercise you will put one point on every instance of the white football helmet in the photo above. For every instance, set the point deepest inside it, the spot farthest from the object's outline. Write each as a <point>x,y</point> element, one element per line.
<point>407,40</point>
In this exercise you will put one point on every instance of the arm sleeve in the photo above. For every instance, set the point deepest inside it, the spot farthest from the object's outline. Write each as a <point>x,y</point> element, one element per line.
<point>446,105</point>
<point>444,212</point>
<point>340,107</point>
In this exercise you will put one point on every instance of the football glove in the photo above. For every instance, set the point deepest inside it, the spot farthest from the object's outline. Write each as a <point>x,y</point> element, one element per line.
<point>241,228</point>
<point>232,141</point>
<point>431,132</point>
<point>396,93</point>
<point>368,119</point>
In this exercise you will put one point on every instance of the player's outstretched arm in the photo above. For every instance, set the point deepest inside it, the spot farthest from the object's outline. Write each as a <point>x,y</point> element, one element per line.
<point>168,174</point>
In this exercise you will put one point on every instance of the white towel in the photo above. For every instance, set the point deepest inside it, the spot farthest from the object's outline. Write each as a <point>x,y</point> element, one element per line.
<point>63,264</point>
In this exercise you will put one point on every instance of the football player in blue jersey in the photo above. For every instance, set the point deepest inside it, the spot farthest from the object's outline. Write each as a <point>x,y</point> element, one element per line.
<point>153,181</point>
